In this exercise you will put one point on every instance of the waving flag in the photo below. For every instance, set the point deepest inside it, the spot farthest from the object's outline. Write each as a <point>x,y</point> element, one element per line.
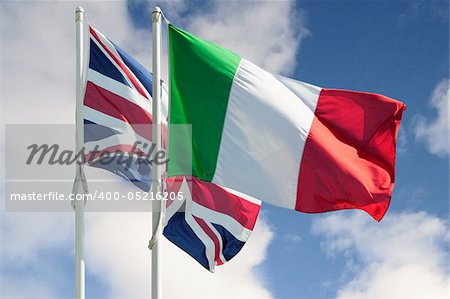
<point>118,112</point>
<point>210,225</point>
<point>285,142</point>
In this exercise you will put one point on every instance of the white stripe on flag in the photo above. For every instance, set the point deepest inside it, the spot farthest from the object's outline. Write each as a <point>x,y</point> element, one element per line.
<point>104,119</point>
<point>307,93</point>
<point>229,223</point>
<point>112,122</point>
<point>119,89</point>
<point>265,130</point>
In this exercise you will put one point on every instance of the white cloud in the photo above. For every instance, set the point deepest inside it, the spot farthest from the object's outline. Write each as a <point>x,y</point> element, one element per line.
<point>267,33</point>
<point>11,289</point>
<point>291,241</point>
<point>292,238</point>
<point>402,140</point>
<point>404,256</point>
<point>29,242</point>
<point>435,131</point>
<point>424,10</point>
<point>116,245</point>
<point>23,235</point>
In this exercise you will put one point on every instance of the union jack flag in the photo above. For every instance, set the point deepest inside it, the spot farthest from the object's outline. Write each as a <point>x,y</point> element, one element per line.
<point>209,223</point>
<point>118,112</point>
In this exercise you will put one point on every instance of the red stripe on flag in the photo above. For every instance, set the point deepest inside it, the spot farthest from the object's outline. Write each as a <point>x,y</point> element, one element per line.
<point>173,187</point>
<point>218,199</point>
<point>121,64</point>
<point>109,103</point>
<point>213,237</point>
<point>349,156</point>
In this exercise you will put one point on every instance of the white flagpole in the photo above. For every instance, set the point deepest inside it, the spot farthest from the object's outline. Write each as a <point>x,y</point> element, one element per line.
<point>157,171</point>
<point>79,186</point>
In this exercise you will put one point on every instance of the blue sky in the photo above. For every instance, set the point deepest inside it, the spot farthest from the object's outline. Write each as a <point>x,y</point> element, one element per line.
<point>397,48</point>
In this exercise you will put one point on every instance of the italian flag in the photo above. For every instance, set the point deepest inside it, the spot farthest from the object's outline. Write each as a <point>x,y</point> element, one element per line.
<point>260,136</point>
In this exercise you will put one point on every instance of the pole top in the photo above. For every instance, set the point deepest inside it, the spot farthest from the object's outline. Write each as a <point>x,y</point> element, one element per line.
<point>156,15</point>
<point>79,14</point>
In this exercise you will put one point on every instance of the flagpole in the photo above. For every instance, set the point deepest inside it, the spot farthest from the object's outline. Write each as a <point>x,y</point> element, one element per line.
<point>156,260</point>
<point>79,186</point>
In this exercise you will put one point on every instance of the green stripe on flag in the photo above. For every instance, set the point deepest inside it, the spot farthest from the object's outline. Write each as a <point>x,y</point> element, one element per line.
<point>201,74</point>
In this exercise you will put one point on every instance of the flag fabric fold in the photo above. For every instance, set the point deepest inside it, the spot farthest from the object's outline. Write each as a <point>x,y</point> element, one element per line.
<point>279,140</point>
